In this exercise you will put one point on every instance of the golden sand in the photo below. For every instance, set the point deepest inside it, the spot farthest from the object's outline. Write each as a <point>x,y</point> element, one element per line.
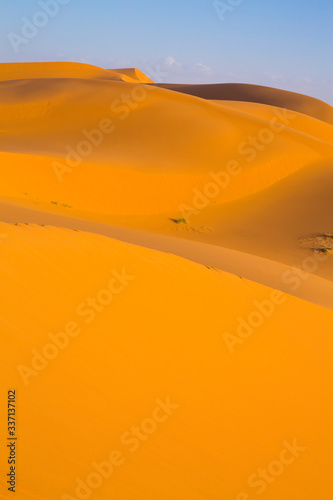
<point>166,287</point>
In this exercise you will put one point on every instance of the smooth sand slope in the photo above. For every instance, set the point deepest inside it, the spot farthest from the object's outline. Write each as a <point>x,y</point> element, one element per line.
<point>302,282</point>
<point>156,336</point>
<point>166,287</point>
<point>258,94</point>
<point>251,177</point>
<point>14,71</point>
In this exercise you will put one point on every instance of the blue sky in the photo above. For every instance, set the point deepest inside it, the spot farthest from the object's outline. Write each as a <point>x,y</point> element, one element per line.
<point>281,43</point>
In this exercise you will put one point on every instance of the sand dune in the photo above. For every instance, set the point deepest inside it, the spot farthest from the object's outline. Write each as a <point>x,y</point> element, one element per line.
<point>116,368</point>
<point>132,74</point>
<point>166,262</point>
<point>156,155</point>
<point>166,162</point>
<point>301,122</point>
<point>258,94</point>
<point>307,285</point>
<point>27,71</point>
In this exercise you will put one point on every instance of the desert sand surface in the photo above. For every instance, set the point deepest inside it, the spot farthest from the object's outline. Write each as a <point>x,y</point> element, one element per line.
<point>166,286</point>
<point>14,71</point>
<point>118,367</point>
<point>258,94</point>
<point>288,279</point>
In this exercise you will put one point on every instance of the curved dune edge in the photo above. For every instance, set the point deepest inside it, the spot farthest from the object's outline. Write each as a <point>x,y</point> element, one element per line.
<point>161,178</point>
<point>99,190</point>
<point>25,71</point>
<point>306,286</point>
<point>180,372</point>
<point>301,122</point>
<point>133,74</point>
<point>268,224</point>
<point>163,368</point>
<point>258,94</point>
<point>46,118</point>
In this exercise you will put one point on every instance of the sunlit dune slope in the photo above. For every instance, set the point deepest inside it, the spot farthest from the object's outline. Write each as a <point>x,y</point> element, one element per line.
<point>301,122</point>
<point>133,149</point>
<point>137,338</point>
<point>313,282</point>
<point>78,141</point>
<point>133,75</point>
<point>27,71</point>
<point>273,222</point>
<point>258,94</point>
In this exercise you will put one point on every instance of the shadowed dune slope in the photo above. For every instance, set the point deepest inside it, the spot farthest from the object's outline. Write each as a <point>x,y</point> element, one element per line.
<point>189,379</point>
<point>136,149</point>
<point>133,74</point>
<point>258,94</point>
<point>152,353</point>
<point>301,122</point>
<point>307,284</point>
<point>76,143</point>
